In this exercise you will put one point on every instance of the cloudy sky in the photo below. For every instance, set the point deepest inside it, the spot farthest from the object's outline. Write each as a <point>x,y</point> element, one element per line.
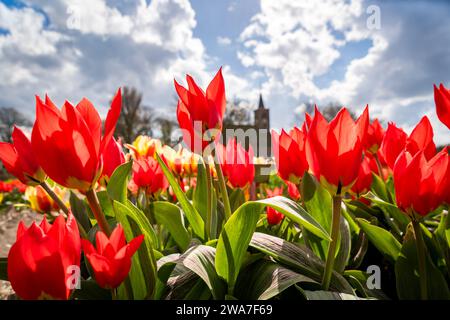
<point>385,53</point>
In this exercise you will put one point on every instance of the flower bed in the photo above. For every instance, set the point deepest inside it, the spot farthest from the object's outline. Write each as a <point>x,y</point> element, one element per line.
<point>351,211</point>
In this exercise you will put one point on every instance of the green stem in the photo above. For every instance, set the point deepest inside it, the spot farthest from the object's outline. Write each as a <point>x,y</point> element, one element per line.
<point>223,191</point>
<point>208,200</point>
<point>128,288</point>
<point>380,173</point>
<point>62,206</point>
<point>447,218</point>
<point>334,239</point>
<point>421,256</point>
<point>92,199</point>
<point>380,168</point>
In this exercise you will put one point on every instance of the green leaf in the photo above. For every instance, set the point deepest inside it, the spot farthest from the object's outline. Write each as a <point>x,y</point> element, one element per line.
<point>199,195</point>
<point>238,231</point>
<point>317,200</point>
<point>298,258</point>
<point>382,239</point>
<point>329,295</point>
<point>359,279</point>
<point>105,203</point>
<point>379,187</point>
<point>169,215</point>
<point>141,219</point>
<point>200,260</point>
<point>183,283</point>
<point>345,246</point>
<point>91,291</point>
<point>79,210</point>
<point>390,210</point>
<point>118,183</point>
<point>192,215</point>
<point>237,198</point>
<point>264,280</point>
<point>143,268</point>
<point>407,273</point>
<point>447,235</point>
<point>295,213</point>
<point>4,268</point>
<point>318,203</point>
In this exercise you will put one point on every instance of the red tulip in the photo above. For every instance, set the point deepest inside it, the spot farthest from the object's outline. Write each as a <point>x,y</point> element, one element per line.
<point>273,216</point>
<point>237,163</point>
<point>113,157</point>
<point>69,143</point>
<point>290,156</point>
<point>148,175</point>
<point>442,100</point>
<point>420,184</point>
<point>40,262</point>
<point>334,150</point>
<point>293,190</point>
<point>396,140</point>
<point>111,259</point>
<point>364,179</point>
<point>375,133</point>
<point>198,112</point>
<point>19,159</point>
<point>421,139</point>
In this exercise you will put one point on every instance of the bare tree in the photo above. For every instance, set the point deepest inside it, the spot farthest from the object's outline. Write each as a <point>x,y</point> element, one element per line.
<point>135,119</point>
<point>166,127</point>
<point>237,113</point>
<point>8,118</point>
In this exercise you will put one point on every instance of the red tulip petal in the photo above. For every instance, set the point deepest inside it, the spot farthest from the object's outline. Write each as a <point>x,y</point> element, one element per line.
<point>111,119</point>
<point>216,92</point>
<point>92,120</point>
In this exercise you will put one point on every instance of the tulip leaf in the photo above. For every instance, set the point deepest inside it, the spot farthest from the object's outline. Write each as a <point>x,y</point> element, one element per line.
<point>200,260</point>
<point>382,239</point>
<point>298,258</point>
<point>91,291</point>
<point>199,195</point>
<point>4,268</point>
<point>79,210</point>
<point>264,280</point>
<point>238,231</point>
<point>118,183</point>
<point>296,214</point>
<point>329,295</point>
<point>170,216</point>
<point>447,235</point>
<point>390,210</point>
<point>237,198</point>
<point>407,273</point>
<point>345,246</point>
<point>106,203</point>
<point>192,215</point>
<point>379,187</point>
<point>143,268</point>
<point>318,203</point>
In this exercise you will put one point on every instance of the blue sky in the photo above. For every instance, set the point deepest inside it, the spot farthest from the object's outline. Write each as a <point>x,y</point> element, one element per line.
<point>293,52</point>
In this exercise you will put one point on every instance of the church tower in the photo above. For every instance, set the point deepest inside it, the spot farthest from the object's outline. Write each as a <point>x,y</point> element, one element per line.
<point>262,115</point>
<point>262,122</point>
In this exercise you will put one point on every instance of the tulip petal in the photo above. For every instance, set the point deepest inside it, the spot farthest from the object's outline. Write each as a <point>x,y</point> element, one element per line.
<point>111,119</point>
<point>92,120</point>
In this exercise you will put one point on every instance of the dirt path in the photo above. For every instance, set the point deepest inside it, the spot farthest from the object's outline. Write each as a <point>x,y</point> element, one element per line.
<point>8,226</point>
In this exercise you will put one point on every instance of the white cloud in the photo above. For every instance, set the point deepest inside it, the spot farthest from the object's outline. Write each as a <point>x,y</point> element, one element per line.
<point>296,43</point>
<point>142,45</point>
<point>223,41</point>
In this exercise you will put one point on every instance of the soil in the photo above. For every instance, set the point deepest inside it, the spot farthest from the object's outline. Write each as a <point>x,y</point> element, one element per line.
<point>9,219</point>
